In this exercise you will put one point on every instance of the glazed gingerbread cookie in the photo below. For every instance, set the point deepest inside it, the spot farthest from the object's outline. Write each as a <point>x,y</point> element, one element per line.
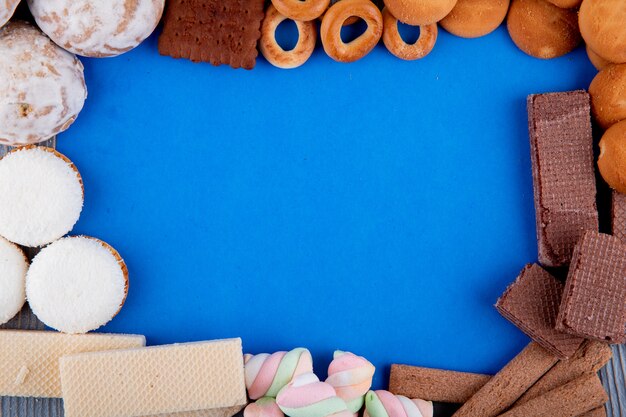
<point>97,28</point>
<point>475,18</point>
<point>420,12</point>
<point>608,95</point>
<point>541,29</point>
<point>7,8</point>
<point>42,87</point>
<point>603,26</point>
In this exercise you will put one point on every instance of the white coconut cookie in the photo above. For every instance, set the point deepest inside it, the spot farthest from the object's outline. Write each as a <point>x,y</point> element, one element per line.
<point>97,28</point>
<point>41,196</point>
<point>42,87</point>
<point>13,267</point>
<point>77,284</point>
<point>7,8</point>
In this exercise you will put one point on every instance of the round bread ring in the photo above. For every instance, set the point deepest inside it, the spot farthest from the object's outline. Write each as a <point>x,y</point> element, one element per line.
<point>397,46</point>
<point>301,10</point>
<point>274,53</point>
<point>334,20</point>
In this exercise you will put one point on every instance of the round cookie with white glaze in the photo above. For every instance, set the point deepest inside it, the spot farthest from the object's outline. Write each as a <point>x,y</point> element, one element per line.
<point>13,267</point>
<point>97,28</point>
<point>42,87</point>
<point>7,8</point>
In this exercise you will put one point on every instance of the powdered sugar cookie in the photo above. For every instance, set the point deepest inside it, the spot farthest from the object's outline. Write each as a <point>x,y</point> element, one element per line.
<point>41,196</point>
<point>97,28</point>
<point>77,284</point>
<point>42,87</point>
<point>7,8</point>
<point>13,266</point>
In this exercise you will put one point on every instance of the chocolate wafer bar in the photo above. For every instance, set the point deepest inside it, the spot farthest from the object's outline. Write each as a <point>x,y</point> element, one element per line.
<point>593,304</point>
<point>510,383</point>
<point>572,399</point>
<point>563,172</point>
<point>588,359</point>
<point>596,412</point>
<point>203,379</point>
<point>215,31</point>
<point>435,384</point>
<point>618,215</point>
<point>532,304</point>
<point>29,360</point>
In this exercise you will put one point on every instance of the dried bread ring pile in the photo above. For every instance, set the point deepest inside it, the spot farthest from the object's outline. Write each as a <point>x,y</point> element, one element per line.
<point>475,18</point>
<point>334,20</point>
<point>420,12</point>
<point>398,47</point>
<point>42,196</point>
<point>97,28</point>
<point>13,267</point>
<point>274,53</point>
<point>7,8</point>
<point>42,87</point>
<point>77,284</point>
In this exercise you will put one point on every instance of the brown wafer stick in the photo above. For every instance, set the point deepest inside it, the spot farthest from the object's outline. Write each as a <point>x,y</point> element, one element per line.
<point>597,412</point>
<point>588,359</point>
<point>618,215</point>
<point>570,400</point>
<point>563,172</point>
<point>510,383</point>
<point>593,300</point>
<point>532,304</point>
<point>435,384</point>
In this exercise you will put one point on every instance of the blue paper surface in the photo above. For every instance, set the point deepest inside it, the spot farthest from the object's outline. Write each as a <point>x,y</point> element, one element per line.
<point>379,207</point>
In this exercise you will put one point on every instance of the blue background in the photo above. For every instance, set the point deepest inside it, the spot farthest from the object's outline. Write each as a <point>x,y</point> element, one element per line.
<point>379,207</point>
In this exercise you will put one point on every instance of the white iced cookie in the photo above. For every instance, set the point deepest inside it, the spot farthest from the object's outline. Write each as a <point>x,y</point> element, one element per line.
<point>13,266</point>
<point>7,8</point>
<point>97,28</point>
<point>77,284</point>
<point>42,87</point>
<point>41,196</point>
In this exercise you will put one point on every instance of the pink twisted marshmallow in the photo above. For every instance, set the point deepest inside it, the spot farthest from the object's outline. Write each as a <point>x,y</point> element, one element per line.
<point>263,407</point>
<point>351,376</point>
<point>307,396</point>
<point>385,404</point>
<point>267,374</point>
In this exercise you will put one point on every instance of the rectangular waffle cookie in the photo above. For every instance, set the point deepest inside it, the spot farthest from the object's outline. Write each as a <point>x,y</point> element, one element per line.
<point>215,31</point>
<point>435,384</point>
<point>532,304</point>
<point>30,359</point>
<point>618,215</point>
<point>563,172</point>
<point>593,304</point>
<point>202,379</point>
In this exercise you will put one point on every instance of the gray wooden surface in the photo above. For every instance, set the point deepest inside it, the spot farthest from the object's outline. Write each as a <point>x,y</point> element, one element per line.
<point>613,375</point>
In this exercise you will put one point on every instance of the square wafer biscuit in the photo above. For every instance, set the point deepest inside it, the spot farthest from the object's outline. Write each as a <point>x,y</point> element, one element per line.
<point>193,379</point>
<point>593,303</point>
<point>30,359</point>
<point>215,31</point>
<point>618,215</point>
<point>563,172</point>
<point>532,304</point>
